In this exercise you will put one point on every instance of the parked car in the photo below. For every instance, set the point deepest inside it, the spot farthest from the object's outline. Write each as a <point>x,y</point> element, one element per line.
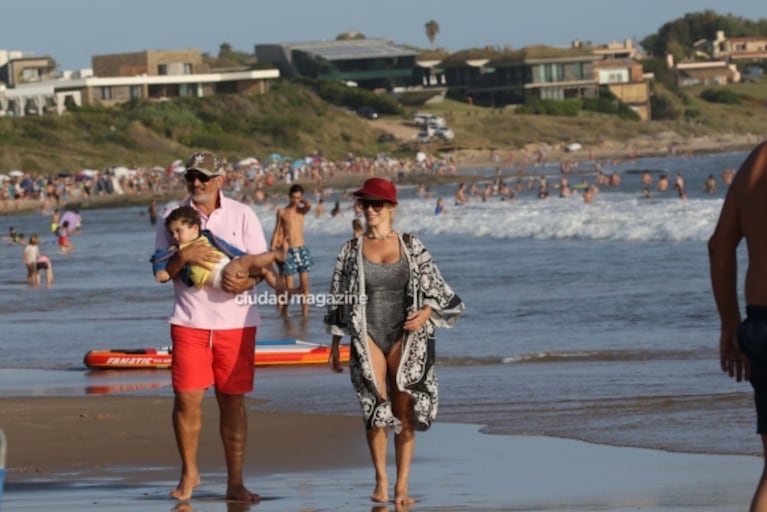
<point>421,119</point>
<point>429,120</point>
<point>367,112</point>
<point>444,133</point>
<point>423,136</point>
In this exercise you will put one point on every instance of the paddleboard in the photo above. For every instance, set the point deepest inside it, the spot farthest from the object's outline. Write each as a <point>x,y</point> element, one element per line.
<point>268,353</point>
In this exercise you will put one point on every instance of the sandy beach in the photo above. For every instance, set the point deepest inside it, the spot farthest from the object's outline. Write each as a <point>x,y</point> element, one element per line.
<point>82,441</point>
<point>115,452</point>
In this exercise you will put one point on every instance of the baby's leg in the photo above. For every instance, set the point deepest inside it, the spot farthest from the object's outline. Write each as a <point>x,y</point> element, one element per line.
<point>217,272</point>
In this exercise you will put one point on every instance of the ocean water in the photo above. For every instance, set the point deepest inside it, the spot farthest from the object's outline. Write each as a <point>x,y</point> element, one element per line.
<point>587,321</point>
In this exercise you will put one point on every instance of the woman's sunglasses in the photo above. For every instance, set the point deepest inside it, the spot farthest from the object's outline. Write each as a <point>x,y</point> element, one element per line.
<point>191,176</point>
<point>376,204</point>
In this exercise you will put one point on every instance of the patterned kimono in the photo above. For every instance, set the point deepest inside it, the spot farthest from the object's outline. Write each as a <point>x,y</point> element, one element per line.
<point>416,372</point>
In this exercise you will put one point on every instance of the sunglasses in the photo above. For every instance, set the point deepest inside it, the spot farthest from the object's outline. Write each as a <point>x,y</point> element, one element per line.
<point>376,204</point>
<point>191,176</point>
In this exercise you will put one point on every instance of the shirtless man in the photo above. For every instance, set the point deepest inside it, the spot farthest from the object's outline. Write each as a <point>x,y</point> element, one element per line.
<point>710,185</point>
<point>743,346</point>
<point>588,195</point>
<point>460,195</point>
<point>646,178</point>
<point>663,183</point>
<point>290,225</point>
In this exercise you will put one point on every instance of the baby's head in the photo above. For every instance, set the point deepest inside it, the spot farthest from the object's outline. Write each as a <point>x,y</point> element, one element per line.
<point>183,224</point>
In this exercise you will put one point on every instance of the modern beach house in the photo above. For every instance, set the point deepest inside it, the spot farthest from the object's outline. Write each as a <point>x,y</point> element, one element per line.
<point>118,78</point>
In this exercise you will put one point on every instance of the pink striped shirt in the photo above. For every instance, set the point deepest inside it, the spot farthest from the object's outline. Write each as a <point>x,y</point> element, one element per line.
<point>209,307</point>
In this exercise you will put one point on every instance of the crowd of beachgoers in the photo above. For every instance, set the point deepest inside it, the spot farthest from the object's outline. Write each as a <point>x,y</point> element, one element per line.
<point>256,181</point>
<point>250,180</point>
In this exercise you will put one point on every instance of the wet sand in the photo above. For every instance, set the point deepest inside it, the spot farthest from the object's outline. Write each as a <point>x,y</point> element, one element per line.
<point>114,452</point>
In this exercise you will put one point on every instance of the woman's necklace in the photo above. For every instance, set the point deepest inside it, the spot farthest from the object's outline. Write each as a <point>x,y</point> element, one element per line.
<point>380,237</point>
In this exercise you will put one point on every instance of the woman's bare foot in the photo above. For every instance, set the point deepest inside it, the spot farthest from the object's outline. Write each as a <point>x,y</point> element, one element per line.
<point>381,492</point>
<point>186,485</point>
<point>401,497</point>
<point>240,493</point>
<point>403,500</point>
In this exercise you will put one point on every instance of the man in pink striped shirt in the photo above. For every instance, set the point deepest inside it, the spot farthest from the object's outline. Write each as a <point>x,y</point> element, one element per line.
<point>213,336</point>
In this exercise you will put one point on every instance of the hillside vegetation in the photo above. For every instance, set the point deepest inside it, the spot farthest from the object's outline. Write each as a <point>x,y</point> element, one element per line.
<point>293,120</point>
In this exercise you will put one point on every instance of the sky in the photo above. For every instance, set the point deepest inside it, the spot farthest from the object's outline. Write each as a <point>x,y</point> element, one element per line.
<point>71,31</point>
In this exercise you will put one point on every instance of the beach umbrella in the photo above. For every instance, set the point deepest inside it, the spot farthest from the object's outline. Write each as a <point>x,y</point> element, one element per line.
<point>274,157</point>
<point>87,173</point>
<point>4,177</point>
<point>245,162</point>
<point>297,164</point>
<point>15,173</point>
<point>64,174</point>
<point>120,171</point>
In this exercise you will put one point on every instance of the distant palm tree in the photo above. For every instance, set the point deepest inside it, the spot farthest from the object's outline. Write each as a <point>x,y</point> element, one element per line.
<point>224,49</point>
<point>432,29</point>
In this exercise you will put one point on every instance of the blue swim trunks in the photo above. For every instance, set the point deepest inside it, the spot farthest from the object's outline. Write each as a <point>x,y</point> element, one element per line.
<point>299,260</point>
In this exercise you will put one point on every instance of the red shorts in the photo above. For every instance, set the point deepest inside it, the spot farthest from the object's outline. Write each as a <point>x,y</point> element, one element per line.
<point>223,358</point>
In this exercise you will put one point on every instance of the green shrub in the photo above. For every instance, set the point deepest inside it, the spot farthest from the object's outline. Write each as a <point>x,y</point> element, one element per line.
<point>686,100</point>
<point>342,95</point>
<point>628,113</point>
<point>720,95</point>
<point>692,112</point>
<point>535,106</point>
<point>602,105</point>
<point>664,104</point>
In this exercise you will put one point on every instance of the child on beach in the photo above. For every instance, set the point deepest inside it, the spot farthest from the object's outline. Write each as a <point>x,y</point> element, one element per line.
<point>440,207</point>
<point>44,264</point>
<point>185,227</point>
<point>14,236</point>
<point>31,253</point>
<point>63,237</point>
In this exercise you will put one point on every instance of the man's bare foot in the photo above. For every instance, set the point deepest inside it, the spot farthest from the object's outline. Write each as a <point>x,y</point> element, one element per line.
<point>186,485</point>
<point>240,493</point>
<point>381,492</point>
